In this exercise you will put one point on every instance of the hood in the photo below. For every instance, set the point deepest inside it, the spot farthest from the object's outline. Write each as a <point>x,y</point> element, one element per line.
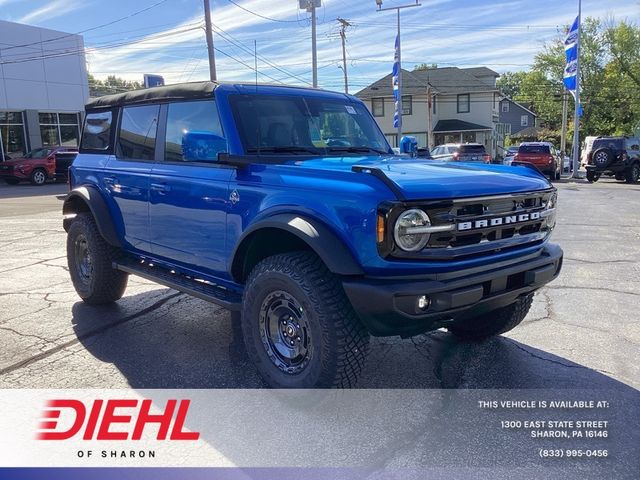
<point>415,179</point>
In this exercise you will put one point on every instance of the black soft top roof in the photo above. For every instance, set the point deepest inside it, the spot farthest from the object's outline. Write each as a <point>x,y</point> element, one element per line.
<point>182,91</point>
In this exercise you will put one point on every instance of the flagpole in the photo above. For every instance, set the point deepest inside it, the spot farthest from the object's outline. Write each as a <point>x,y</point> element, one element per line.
<point>576,120</point>
<point>399,62</point>
<point>399,81</point>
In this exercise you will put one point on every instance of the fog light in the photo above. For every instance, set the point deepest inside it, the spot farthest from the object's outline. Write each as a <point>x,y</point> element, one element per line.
<point>423,302</point>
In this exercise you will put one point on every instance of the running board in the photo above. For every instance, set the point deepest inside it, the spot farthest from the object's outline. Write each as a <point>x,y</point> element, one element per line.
<point>197,288</point>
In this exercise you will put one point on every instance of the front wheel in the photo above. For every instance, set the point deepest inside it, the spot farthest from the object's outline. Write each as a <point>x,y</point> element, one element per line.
<point>493,323</point>
<point>38,177</point>
<point>298,325</point>
<point>633,173</point>
<point>90,259</point>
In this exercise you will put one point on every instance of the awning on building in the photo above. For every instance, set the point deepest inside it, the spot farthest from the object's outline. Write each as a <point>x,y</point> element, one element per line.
<point>445,126</point>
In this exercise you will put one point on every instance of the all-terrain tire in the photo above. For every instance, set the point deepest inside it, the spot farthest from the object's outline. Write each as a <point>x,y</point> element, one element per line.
<point>633,173</point>
<point>602,158</point>
<point>493,323</point>
<point>39,177</point>
<point>90,259</point>
<point>592,176</point>
<point>335,341</point>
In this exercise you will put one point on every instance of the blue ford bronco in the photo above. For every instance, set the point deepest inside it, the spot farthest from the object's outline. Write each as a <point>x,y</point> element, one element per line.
<point>288,207</point>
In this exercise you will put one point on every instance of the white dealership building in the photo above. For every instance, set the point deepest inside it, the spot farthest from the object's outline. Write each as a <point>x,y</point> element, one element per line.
<point>43,87</point>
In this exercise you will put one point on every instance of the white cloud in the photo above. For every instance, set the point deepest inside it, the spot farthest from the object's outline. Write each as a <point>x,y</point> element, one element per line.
<point>51,10</point>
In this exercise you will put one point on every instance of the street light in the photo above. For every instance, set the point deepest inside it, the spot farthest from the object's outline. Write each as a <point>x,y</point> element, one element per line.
<point>397,9</point>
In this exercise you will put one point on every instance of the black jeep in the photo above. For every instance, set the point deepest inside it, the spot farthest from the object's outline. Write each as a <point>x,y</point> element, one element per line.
<point>614,156</point>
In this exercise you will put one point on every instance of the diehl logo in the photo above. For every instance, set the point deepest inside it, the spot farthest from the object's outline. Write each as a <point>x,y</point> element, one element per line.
<point>498,221</point>
<point>116,413</point>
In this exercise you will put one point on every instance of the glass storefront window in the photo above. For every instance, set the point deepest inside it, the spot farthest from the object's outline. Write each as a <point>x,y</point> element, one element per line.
<point>59,129</point>
<point>12,134</point>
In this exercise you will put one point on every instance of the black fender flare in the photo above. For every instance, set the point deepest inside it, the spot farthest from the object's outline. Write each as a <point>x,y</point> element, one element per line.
<point>95,202</point>
<point>320,238</point>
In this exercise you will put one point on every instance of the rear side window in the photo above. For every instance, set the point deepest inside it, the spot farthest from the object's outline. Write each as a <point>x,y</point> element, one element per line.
<point>610,143</point>
<point>191,128</point>
<point>472,149</point>
<point>137,138</point>
<point>534,149</point>
<point>96,134</point>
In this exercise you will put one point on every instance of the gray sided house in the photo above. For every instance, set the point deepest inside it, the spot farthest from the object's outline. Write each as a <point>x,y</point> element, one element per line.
<point>515,117</point>
<point>463,106</point>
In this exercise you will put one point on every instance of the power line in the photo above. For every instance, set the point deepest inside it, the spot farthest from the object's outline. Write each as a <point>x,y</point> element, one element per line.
<point>126,17</point>
<point>260,15</point>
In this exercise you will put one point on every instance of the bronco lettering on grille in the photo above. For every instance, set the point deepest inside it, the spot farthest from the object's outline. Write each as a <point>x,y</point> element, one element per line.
<point>494,222</point>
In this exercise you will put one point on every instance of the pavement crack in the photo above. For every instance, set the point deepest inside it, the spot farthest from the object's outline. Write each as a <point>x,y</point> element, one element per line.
<point>84,336</point>
<point>596,289</point>
<point>539,357</point>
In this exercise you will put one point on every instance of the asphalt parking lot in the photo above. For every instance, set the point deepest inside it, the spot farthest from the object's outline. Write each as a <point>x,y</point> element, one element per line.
<point>583,331</point>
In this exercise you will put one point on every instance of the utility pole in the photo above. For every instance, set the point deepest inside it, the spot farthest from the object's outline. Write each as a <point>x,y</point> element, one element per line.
<point>343,36</point>
<point>212,56</point>
<point>563,138</point>
<point>310,6</point>
<point>397,9</point>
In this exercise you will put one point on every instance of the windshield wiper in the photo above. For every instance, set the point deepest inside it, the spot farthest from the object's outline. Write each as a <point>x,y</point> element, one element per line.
<point>357,150</point>
<point>283,149</point>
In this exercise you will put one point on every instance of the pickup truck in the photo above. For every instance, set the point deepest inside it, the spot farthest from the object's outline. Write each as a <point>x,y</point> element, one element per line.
<point>288,207</point>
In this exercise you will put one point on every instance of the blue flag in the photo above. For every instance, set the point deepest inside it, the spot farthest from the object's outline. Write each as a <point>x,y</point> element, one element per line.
<point>395,82</point>
<point>570,79</point>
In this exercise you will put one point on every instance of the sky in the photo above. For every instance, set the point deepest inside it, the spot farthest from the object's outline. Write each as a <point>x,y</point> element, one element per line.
<point>166,37</point>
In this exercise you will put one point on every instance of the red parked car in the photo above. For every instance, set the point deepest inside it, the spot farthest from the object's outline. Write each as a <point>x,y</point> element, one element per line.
<point>37,166</point>
<point>543,156</point>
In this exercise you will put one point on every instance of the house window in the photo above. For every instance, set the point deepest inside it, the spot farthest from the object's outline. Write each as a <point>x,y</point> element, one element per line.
<point>464,103</point>
<point>59,129</point>
<point>406,105</point>
<point>377,107</point>
<point>524,120</point>
<point>12,136</point>
<point>505,107</point>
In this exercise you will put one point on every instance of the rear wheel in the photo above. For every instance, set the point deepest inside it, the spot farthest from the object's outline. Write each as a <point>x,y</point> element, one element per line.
<point>298,325</point>
<point>633,173</point>
<point>90,259</point>
<point>493,323</point>
<point>38,177</point>
<point>592,176</point>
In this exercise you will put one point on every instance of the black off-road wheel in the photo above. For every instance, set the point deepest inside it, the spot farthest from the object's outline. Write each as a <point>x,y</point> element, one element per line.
<point>602,158</point>
<point>298,325</point>
<point>633,173</point>
<point>592,176</point>
<point>493,323</point>
<point>39,177</point>
<point>90,260</point>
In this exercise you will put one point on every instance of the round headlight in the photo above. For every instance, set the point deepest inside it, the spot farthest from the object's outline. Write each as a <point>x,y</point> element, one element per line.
<point>407,230</point>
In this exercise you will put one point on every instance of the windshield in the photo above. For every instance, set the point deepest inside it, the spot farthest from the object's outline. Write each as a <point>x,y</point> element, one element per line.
<point>271,124</point>
<point>38,153</point>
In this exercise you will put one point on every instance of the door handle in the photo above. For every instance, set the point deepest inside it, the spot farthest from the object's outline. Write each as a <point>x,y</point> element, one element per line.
<point>161,188</point>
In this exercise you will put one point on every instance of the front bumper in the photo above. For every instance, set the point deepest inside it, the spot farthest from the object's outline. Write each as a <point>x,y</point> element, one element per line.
<point>388,306</point>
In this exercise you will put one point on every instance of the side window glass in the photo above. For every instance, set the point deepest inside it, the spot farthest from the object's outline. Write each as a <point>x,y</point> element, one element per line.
<point>96,134</point>
<point>137,138</point>
<point>194,133</point>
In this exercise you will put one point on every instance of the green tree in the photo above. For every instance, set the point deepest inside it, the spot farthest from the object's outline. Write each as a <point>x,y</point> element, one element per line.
<point>510,83</point>
<point>425,66</point>
<point>112,84</point>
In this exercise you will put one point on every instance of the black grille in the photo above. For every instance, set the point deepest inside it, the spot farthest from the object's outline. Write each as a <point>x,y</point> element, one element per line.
<point>490,219</point>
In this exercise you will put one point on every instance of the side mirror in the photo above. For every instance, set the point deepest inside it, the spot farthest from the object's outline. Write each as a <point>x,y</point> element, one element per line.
<point>409,146</point>
<point>202,146</point>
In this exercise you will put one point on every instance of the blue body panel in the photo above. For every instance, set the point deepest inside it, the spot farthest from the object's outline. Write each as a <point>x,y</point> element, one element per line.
<point>197,221</point>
